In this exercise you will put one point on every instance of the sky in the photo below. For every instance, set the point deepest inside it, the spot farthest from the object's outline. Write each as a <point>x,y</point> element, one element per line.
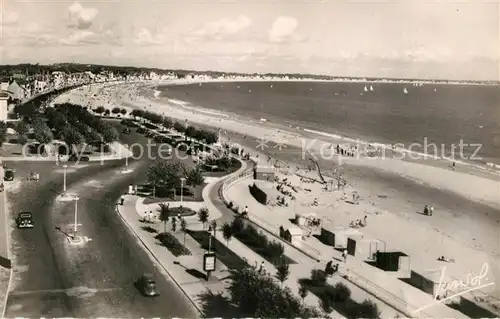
<point>402,39</point>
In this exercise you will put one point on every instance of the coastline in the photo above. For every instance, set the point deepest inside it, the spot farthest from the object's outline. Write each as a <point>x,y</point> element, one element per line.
<point>466,225</point>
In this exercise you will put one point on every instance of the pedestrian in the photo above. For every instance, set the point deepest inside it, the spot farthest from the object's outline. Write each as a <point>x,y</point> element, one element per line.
<point>364,219</point>
<point>151,216</point>
<point>122,199</point>
<point>431,210</point>
<point>261,269</point>
<point>344,255</point>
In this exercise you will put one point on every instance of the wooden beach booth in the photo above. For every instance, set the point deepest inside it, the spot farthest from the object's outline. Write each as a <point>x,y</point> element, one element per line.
<point>359,245</point>
<point>392,260</point>
<point>293,235</point>
<point>336,236</point>
<point>265,173</point>
<point>426,280</point>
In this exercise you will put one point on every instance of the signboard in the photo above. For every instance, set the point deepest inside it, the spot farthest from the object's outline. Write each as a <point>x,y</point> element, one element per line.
<point>209,262</point>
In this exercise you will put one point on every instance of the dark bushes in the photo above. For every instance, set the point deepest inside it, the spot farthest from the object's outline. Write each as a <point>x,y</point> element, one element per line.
<point>272,251</point>
<point>171,243</point>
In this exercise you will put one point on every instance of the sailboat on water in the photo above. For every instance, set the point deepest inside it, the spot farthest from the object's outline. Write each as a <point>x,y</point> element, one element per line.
<point>371,88</point>
<point>366,89</point>
<point>405,91</point>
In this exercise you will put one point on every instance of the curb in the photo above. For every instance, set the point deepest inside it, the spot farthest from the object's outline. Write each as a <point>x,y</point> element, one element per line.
<point>158,262</point>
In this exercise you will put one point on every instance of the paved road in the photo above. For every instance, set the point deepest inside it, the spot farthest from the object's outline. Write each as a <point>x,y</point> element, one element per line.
<point>56,279</point>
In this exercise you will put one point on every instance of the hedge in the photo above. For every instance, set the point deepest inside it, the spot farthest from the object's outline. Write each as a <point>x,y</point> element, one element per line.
<point>171,243</point>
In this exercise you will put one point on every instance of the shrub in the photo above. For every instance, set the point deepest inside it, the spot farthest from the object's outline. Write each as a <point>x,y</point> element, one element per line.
<point>318,277</point>
<point>366,309</point>
<point>341,292</point>
<point>172,244</point>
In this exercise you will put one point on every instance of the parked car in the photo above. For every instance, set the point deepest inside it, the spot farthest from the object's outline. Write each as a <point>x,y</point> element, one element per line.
<point>33,176</point>
<point>147,285</point>
<point>9,175</point>
<point>25,220</point>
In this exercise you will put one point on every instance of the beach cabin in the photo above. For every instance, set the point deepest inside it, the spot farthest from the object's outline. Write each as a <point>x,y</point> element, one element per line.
<point>426,280</point>
<point>392,260</point>
<point>293,235</point>
<point>358,245</point>
<point>336,236</point>
<point>265,173</point>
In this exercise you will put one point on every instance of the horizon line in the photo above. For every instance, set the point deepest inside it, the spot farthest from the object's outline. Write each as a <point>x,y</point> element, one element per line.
<point>139,68</point>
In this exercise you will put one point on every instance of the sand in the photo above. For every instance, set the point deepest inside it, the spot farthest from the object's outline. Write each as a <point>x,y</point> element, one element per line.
<point>465,225</point>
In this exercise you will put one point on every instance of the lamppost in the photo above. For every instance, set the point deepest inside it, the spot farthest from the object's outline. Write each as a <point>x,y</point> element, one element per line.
<point>76,217</point>
<point>126,156</point>
<point>182,187</point>
<point>64,172</point>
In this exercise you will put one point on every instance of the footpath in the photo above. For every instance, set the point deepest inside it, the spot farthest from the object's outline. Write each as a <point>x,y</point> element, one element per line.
<point>5,266</point>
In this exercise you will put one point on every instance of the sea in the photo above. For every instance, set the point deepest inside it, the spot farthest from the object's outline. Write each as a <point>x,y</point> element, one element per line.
<point>426,118</point>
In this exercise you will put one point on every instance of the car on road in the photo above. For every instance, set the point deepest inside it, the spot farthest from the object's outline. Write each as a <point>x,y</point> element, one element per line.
<point>9,175</point>
<point>147,285</point>
<point>25,220</point>
<point>33,176</point>
<point>75,158</point>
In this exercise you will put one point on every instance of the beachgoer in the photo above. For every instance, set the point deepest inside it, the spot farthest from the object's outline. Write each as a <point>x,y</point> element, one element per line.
<point>364,219</point>
<point>122,199</point>
<point>431,210</point>
<point>426,210</point>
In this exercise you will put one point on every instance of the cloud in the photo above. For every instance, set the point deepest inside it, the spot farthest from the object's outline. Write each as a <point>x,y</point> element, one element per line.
<point>145,37</point>
<point>80,17</point>
<point>223,27</point>
<point>282,28</point>
<point>80,37</point>
<point>9,18</point>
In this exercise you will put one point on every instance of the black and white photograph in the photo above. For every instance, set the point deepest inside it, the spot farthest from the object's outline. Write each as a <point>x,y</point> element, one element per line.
<point>239,159</point>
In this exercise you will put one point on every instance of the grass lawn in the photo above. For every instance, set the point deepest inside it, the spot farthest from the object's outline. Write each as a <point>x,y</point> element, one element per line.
<point>223,254</point>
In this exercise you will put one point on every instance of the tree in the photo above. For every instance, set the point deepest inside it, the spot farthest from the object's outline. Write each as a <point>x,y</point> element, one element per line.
<point>42,132</point>
<point>179,127</point>
<point>109,134</point>
<point>257,295</point>
<point>123,111</point>
<point>303,292</point>
<point>283,271</point>
<point>71,137</point>
<point>100,110</point>
<point>164,174</point>
<point>211,138</point>
<point>194,177</point>
<point>22,139</point>
<point>203,215</point>
<point>367,309</point>
<point>227,232</point>
<point>22,128</point>
<point>115,110</point>
<point>174,224</point>
<point>184,228</point>
<point>165,212</point>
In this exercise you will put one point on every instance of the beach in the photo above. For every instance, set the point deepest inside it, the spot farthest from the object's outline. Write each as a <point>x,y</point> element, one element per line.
<point>466,222</point>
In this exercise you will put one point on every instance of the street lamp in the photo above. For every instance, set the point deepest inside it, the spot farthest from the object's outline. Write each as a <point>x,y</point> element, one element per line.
<point>76,217</point>
<point>64,185</point>
<point>182,187</point>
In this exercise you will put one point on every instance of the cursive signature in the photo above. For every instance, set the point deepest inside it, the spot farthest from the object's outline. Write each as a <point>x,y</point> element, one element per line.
<point>458,287</point>
<point>471,281</point>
